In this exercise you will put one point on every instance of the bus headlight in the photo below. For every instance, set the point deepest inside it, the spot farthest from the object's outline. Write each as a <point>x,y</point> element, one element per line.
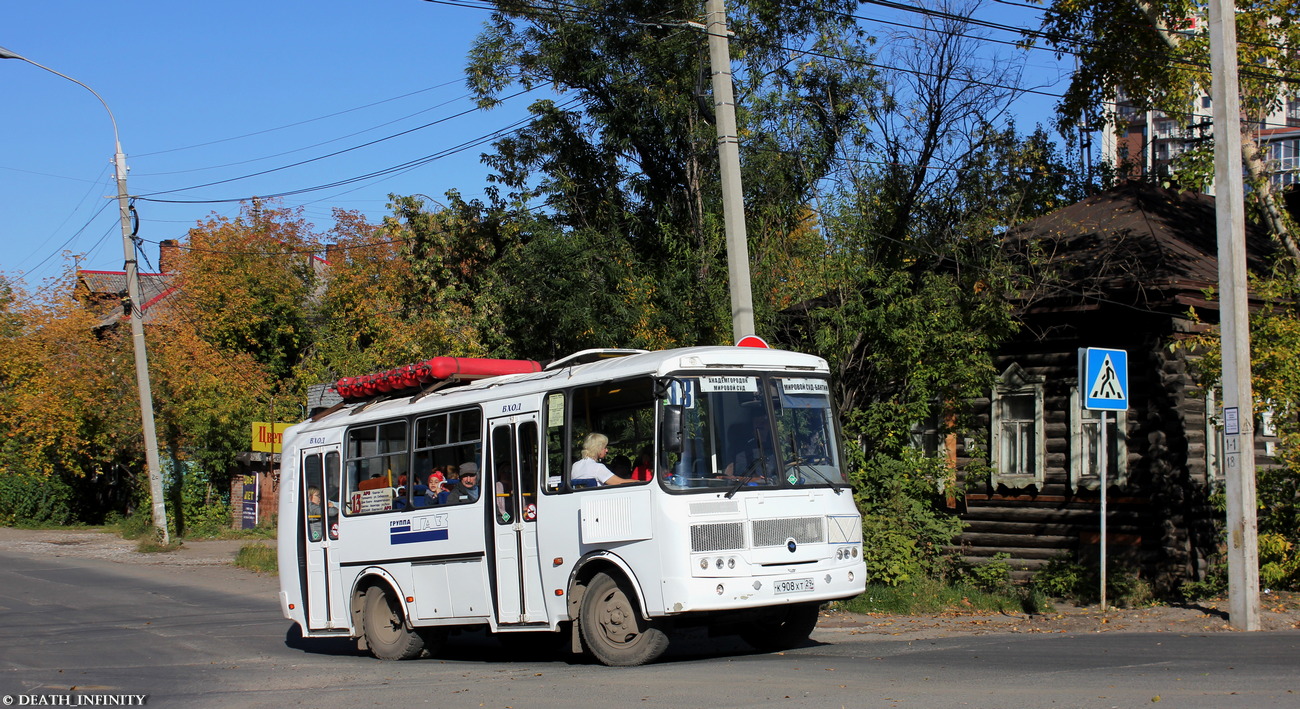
<point>704,564</point>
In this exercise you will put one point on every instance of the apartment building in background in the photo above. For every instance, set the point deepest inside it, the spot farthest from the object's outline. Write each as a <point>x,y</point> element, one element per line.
<point>1145,143</point>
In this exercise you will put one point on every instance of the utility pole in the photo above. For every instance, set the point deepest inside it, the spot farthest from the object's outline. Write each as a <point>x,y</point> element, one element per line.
<point>1234,322</point>
<point>733,199</point>
<point>134,310</point>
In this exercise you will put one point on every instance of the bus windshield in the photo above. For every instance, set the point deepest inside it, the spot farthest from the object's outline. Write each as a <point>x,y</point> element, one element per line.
<point>744,432</point>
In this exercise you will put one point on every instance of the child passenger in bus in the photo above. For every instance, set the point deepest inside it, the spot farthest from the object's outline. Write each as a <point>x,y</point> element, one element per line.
<point>315,523</point>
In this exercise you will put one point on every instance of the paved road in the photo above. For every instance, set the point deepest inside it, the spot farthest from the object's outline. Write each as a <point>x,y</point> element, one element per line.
<point>211,636</point>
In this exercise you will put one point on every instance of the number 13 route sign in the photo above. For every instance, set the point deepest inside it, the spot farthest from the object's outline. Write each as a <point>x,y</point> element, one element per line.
<point>1103,379</point>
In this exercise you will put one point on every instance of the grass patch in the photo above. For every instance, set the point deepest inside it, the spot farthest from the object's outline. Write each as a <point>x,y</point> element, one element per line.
<point>264,532</point>
<point>929,596</point>
<point>152,544</point>
<point>257,557</point>
<point>137,526</point>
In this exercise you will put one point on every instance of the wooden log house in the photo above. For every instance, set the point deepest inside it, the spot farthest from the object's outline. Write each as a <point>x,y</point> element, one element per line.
<point>1123,269</point>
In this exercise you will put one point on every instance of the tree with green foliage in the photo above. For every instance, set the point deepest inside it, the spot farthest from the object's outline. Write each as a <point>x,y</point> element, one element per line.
<point>61,385</point>
<point>609,197</point>
<point>374,310</point>
<point>249,279</point>
<point>918,293</point>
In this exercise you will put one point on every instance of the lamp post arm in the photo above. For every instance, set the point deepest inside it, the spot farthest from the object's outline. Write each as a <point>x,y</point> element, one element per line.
<point>7,54</point>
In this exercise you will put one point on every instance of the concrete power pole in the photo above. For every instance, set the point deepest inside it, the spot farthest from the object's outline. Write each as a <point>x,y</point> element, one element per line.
<point>1234,322</point>
<point>733,200</point>
<point>136,316</point>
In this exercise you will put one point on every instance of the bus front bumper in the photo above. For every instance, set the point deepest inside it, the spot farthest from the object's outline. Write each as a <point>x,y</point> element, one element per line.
<point>685,595</point>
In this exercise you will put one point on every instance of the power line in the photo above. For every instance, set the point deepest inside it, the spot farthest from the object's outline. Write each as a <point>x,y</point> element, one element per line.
<point>338,183</point>
<point>308,147</point>
<point>298,123</point>
<point>320,157</point>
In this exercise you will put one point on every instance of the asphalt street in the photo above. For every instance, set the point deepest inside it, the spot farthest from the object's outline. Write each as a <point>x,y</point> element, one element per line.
<point>212,636</point>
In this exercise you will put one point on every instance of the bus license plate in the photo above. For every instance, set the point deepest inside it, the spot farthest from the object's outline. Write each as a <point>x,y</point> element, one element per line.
<point>793,586</point>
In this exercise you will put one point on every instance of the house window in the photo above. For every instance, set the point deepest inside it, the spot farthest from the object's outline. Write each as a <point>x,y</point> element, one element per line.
<point>1018,450</point>
<point>1085,446</point>
<point>924,435</point>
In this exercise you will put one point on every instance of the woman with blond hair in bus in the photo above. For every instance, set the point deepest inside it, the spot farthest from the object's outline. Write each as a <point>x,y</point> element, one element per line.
<point>595,447</point>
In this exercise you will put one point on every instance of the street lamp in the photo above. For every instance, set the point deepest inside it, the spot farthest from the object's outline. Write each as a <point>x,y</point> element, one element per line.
<point>134,312</point>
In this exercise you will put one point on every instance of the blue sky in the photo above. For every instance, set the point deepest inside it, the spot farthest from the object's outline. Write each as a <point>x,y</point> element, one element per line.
<point>209,92</point>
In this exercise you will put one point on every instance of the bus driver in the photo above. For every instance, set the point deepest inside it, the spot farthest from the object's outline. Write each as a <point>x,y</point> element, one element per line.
<point>595,447</point>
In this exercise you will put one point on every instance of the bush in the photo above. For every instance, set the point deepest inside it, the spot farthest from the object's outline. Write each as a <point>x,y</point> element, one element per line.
<point>1066,578</point>
<point>1279,564</point>
<point>1214,585</point>
<point>890,552</point>
<point>27,499</point>
<point>904,531</point>
<point>993,576</point>
<point>139,525</point>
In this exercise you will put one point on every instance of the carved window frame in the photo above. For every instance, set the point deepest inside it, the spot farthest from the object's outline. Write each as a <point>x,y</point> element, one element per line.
<point>1014,386</point>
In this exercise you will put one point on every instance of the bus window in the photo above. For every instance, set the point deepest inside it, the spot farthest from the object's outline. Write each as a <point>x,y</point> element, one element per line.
<point>503,474</point>
<point>555,442</point>
<point>443,442</point>
<point>528,470</point>
<point>312,496</point>
<point>332,469</point>
<point>376,466</point>
<point>624,411</point>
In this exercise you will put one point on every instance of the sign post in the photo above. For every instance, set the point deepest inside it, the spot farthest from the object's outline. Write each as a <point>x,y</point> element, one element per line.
<point>1103,380</point>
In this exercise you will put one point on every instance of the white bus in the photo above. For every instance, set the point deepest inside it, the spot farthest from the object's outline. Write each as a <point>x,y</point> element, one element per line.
<point>735,514</point>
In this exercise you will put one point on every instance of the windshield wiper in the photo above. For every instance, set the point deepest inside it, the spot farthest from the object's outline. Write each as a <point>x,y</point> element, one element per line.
<point>801,465</point>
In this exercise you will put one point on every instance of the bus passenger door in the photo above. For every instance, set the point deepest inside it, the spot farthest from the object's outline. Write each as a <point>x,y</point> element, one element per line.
<point>514,471</point>
<point>320,516</point>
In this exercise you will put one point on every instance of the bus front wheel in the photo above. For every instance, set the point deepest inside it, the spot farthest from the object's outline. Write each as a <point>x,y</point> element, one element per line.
<point>613,629</point>
<point>386,631</point>
<point>784,628</point>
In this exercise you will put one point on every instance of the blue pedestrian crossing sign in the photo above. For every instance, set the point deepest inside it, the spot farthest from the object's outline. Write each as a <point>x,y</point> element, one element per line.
<point>1103,379</point>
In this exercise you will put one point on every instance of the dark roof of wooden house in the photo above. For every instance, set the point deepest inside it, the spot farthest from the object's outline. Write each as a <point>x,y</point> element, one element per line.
<point>1137,244</point>
<point>103,292</point>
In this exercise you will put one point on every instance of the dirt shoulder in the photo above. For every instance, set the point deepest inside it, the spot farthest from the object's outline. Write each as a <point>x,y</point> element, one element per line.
<point>1279,610</point>
<point>108,546</point>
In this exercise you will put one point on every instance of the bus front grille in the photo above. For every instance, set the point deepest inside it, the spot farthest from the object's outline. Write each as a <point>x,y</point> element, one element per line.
<point>775,532</point>
<point>718,537</point>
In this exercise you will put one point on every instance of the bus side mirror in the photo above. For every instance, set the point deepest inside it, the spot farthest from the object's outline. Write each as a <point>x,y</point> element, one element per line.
<point>670,433</point>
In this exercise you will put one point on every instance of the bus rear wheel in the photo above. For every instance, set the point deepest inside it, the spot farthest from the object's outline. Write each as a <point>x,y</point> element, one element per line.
<point>784,628</point>
<point>386,631</point>
<point>613,629</point>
